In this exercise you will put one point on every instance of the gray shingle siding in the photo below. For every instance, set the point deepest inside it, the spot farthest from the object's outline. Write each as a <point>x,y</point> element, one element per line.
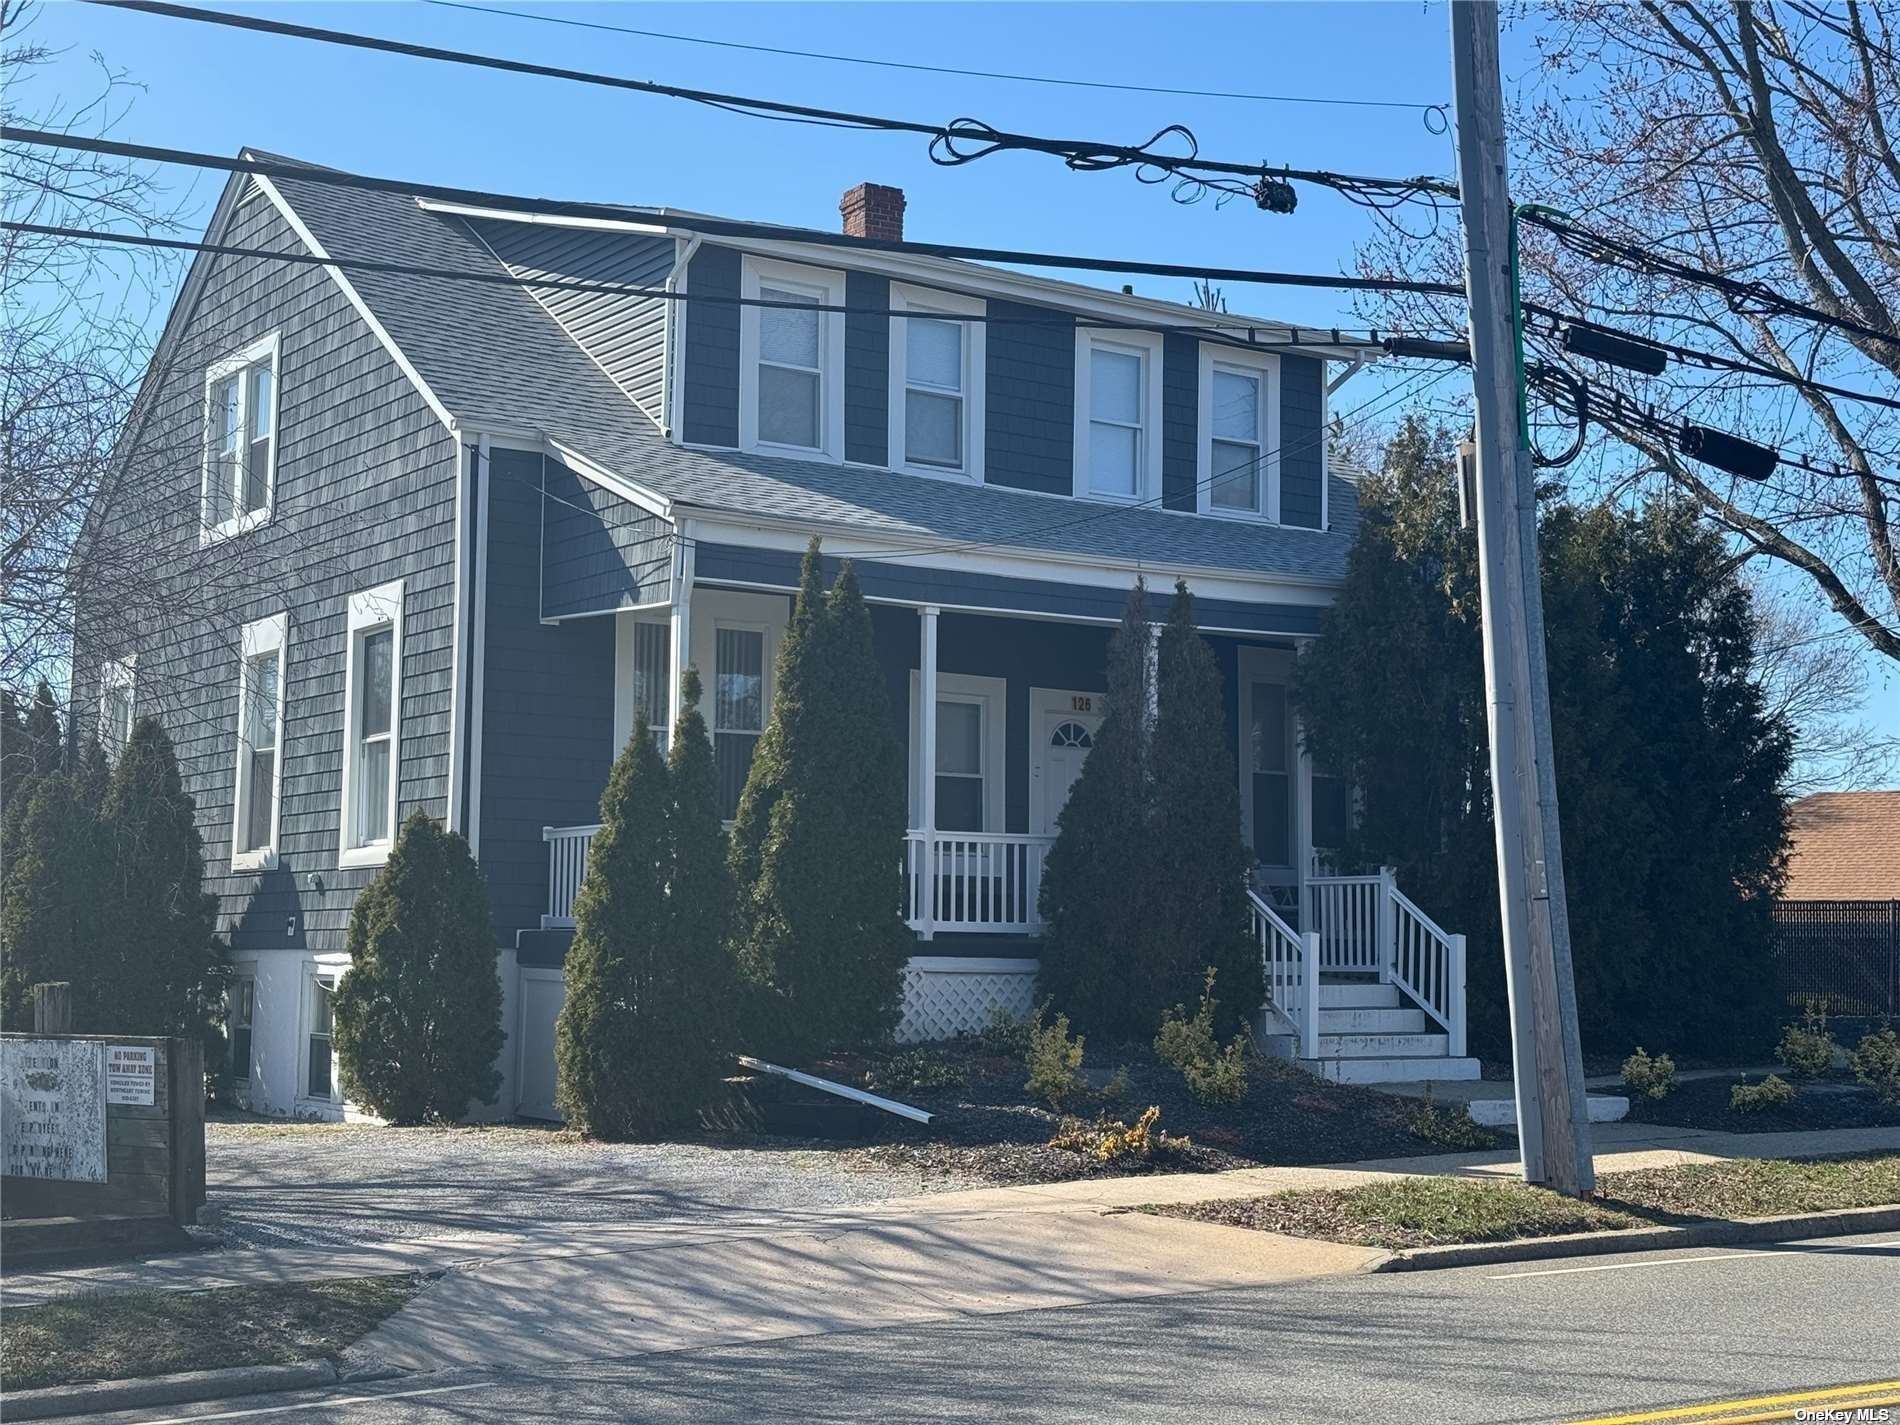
<point>1302,441</point>
<point>598,551</point>
<point>547,706</point>
<point>625,334</point>
<point>1029,376</point>
<point>867,370</point>
<point>1180,413</point>
<point>365,494</point>
<point>711,362</point>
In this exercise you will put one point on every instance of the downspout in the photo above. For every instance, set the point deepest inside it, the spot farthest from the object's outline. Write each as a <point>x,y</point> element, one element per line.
<point>670,398</point>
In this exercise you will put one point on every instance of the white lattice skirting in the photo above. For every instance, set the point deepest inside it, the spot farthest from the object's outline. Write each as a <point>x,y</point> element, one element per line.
<point>945,996</point>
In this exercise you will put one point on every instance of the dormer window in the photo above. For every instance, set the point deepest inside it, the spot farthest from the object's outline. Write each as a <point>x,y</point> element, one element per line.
<point>1239,463</point>
<point>240,473</point>
<point>1118,415</point>
<point>936,389</point>
<point>791,360</point>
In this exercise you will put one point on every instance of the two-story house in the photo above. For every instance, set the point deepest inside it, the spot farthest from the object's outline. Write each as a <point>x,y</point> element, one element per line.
<point>542,462</point>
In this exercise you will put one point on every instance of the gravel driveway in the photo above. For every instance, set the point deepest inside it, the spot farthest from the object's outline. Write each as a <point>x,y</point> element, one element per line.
<point>306,1185</point>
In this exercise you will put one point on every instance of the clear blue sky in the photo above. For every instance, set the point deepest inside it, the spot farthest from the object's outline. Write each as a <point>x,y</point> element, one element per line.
<point>218,90</point>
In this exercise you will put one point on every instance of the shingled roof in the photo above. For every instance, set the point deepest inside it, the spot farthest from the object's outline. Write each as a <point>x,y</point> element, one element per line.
<point>496,359</point>
<point>1846,847</point>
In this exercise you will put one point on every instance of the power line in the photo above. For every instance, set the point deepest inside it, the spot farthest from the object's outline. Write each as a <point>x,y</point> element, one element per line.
<point>957,142</point>
<point>711,227</point>
<point>1427,110</point>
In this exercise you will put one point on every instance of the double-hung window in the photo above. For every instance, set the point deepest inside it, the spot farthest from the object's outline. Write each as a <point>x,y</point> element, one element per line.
<point>240,440</point>
<point>649,652</point>
<point>242,1009</point>
<point>959,769</point>
<point>791,360</point>
<point>738,709</point>
<point>372,736</point>
<point>1118,415</point>
<point>260,745</point>
<point>116,680</point>
<point>319,1037</point>
<point>936,387</point>
<point>1270,766</point>
<point>1239,466</point>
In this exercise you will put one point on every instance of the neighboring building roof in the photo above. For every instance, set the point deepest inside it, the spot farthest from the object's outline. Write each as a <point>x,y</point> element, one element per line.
<point>1846,847</point>
<point>495,358</point>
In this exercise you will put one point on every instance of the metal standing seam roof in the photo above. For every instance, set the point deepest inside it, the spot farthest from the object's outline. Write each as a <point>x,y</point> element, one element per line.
<point>494,356</point>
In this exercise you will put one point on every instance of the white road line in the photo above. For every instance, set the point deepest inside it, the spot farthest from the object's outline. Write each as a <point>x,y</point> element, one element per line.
<point>323,1404</point>
<point>1689,1261</point>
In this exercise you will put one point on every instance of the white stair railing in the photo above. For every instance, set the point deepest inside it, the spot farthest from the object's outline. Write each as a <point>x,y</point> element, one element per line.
<point>1291,963</point>
<point>1427,963</point>
<point>1347,912</point>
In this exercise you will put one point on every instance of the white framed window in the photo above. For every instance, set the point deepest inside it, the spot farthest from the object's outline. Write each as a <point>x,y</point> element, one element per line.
<point>1238,468</point>
<point>971,739</point>
<point>791,361</point>
<point>240,1016</point>
<point>1118,415</point>
<point>240,465</point>
<point>372,736</point>
<point>936,386</point>
<point>317,1073</point>
<point>739,708</point>
<point>117,704</point>
<point>260,767</point>
<point>644,652</point>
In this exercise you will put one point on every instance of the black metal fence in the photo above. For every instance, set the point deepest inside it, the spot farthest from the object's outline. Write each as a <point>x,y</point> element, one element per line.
<point>1843,953</point>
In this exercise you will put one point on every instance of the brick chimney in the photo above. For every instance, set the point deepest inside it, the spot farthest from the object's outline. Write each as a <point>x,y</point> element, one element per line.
<point>872,210</point>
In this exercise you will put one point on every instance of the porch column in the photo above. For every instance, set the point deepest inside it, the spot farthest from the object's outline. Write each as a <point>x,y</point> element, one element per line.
<point>682,639</point>
<point>927,772</point>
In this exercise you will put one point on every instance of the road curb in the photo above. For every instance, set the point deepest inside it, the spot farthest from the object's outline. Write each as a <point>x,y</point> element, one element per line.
<point>1792,1228</point>
<point>98,1397</point>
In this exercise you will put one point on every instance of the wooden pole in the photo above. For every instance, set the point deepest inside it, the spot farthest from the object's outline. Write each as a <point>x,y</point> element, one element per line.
<point>53,1008</point>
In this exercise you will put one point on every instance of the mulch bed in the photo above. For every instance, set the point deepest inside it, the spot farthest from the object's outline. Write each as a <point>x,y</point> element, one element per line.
<point>1703,1103</point>
<point>987,1128</point>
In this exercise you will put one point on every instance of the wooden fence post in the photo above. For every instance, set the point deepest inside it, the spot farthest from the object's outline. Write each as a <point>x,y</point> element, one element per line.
<point>53,1008</point>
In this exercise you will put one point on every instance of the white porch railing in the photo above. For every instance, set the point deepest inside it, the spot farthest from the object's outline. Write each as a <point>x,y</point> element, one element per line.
<point>1349,913</point>
<point>567,866</point>
<point>974,881</point>
<point>1291,963</point>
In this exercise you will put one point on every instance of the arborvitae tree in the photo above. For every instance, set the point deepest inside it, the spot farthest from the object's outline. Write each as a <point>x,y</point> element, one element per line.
<point>91,773</point>
<point>52,910</point>
<point>1100,878</point>
<point>418,1016</point>
<point>30,748</point>
<point>1200,890</point>
<point>819,843</point>
<point>608,1084</point>
<point>162,969</point>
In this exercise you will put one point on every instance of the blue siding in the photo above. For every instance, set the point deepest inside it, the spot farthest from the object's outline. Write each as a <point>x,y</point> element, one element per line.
<point>1302,441</point>
<point>625,334</point>
<point>547,706</point>
<point>867,371</point>
<point>1180,413</point>
<point>598,552</point>
<point>366,481</point>
<point>1029,373</point>
<point>775,568</point>
<point>711,364</point>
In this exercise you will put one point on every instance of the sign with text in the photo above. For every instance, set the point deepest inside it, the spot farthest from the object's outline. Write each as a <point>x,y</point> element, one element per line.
<point>53,1109</point>
<point>132,1074</point>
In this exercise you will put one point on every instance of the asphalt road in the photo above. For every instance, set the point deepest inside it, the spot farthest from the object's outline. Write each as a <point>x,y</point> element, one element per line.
<point>1537,1341</point>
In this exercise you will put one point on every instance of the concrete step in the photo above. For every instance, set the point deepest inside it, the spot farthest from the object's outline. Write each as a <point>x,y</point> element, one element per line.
<point>1357,994</point>
<point>1399,1070</point>
<point>1372,1021</point>
<point>1381,1046</point>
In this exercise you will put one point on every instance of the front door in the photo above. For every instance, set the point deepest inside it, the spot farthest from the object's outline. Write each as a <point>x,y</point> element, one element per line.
<point>1270,790</point>
<point>1062,729</point>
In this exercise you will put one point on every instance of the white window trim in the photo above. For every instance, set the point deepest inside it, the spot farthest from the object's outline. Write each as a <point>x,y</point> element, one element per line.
<point>1150,346</point>
<point>256,352</point>
<point>992,696</point>
<point>114,674</point>
<point>829,288</point>
<point>265,636</point>
<point>975,357</point>
<point>625,713</point>
<point>242,970</point>
<point>313,971</point>
<point>370,610</point>
<point>1267,367</point>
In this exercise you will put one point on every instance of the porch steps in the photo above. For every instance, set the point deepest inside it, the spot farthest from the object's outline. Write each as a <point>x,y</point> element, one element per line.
<point>1369,1033</point>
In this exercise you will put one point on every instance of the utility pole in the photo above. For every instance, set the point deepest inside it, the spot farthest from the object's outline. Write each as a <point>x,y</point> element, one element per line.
<point>1552,1118</point>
